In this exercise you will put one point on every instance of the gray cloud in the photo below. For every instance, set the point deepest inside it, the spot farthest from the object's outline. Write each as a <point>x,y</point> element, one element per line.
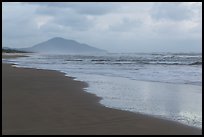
<point>88,8</point>
<point>70,19</point>
<point>80,23</point>
<point>171,11</point>
<point>72,15</point>
<point>95,8</point>
<point>126,24</point>
<point>46,10</point>
<point>47,4</point>
<point>117,27</point>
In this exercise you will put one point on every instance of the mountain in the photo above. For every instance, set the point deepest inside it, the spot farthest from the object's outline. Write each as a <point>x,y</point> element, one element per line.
<point>63,46</point>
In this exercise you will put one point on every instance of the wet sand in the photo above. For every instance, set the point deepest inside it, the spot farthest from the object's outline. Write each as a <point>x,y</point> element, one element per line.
<point>46,102</point>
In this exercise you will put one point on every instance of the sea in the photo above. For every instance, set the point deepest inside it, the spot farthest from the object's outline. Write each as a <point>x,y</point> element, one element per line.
<point>164,85</point>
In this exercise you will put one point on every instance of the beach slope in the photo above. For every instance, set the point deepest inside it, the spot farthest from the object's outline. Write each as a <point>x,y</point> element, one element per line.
<point>46,102</point>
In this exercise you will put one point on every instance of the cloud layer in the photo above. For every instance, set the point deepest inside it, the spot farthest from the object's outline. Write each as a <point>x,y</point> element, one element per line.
<point>117,27</point>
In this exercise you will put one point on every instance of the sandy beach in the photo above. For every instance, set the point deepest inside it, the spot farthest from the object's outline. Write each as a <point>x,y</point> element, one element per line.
<point>46,102</point>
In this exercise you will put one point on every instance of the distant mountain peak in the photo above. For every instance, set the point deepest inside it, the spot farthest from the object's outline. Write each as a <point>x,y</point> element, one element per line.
<point>57,38</point>
<point>64,46</point>
<point>60,39</point>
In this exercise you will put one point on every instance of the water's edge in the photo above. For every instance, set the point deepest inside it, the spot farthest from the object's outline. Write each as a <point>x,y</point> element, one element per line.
<point>102,102</point>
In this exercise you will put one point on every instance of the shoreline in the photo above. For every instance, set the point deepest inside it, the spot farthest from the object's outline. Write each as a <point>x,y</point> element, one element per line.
<point>85,115</point>
<point>14,55</point>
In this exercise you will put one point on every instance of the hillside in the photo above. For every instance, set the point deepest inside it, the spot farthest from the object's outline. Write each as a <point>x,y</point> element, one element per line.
<point>61,45</point>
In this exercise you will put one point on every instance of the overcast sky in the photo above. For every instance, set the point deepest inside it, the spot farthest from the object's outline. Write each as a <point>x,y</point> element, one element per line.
<point>116,27</point>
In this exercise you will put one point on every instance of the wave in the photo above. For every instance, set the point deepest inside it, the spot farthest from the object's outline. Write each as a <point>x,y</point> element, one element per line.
<point>138,59</point>
<point>147,63</point>
<point>74,60</point>
<point>196,63</point>
<point>100,60</point>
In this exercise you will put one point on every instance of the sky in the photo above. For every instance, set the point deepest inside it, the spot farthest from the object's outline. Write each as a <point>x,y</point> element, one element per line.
<point>112,26</point>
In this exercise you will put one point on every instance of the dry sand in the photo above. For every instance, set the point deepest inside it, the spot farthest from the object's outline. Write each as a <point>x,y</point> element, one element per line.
<point>47,102</point>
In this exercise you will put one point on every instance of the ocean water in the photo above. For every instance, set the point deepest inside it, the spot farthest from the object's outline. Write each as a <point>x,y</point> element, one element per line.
<point>165,85</point>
